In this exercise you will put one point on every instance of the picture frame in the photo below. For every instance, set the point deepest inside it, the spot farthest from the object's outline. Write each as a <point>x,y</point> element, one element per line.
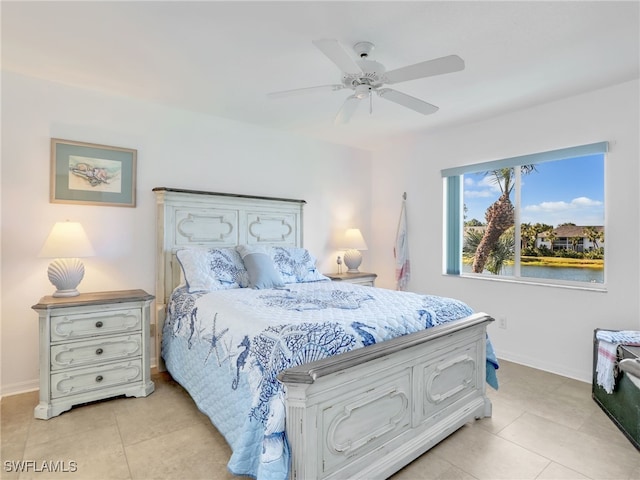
<point>92,174</point>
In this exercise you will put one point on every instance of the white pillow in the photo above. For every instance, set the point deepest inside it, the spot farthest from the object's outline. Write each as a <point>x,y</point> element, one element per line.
<point>260,268</point>
<point>207,269</point>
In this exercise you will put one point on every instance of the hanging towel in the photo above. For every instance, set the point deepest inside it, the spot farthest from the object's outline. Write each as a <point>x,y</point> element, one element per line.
<point>605,368</point>
<point>608,342</point>
<point>401,252</point>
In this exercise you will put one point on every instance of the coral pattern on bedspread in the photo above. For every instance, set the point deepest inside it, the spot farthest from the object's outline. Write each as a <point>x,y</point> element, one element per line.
<point>227,347</point>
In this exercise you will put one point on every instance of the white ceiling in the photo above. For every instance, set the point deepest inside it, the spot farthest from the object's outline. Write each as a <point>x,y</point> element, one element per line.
<point>222,58</point>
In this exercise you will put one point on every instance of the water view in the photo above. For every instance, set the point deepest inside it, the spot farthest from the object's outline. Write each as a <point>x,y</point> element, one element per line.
<point>570,274</point>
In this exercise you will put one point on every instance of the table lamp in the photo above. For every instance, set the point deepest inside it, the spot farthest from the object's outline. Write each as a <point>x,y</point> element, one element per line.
<point>67,242</point>
<point>353,243</point>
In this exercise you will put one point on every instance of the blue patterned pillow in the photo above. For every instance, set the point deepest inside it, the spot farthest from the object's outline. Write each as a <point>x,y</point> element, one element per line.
<point>296,265</point>
<point>207,269</point>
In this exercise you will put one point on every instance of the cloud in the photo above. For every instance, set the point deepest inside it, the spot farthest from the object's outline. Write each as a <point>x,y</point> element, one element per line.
<point>561,206</point>
<point>585,202</point>
<point>580,210</point>
<point>479,194</point>
<point>483,187</point>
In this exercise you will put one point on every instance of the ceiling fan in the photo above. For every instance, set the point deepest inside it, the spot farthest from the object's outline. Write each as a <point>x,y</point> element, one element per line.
<point>365,76</point>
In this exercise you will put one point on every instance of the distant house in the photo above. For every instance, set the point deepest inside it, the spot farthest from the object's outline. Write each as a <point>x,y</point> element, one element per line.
<point>571,237</point>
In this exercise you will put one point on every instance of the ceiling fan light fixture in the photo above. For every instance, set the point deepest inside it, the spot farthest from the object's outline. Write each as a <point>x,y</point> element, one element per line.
<point>362,91</point>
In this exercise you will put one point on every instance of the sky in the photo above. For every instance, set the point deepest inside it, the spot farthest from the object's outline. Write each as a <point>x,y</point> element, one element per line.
<point>564,191</point>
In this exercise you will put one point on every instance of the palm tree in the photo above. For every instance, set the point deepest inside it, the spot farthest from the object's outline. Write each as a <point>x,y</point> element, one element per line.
<point>551,236</point>
<point>499,215</point>
<point>592,234</point>
<point>574,242</point>
<point>528,234</point>
<point>501,252</point>
<point>499,255</point>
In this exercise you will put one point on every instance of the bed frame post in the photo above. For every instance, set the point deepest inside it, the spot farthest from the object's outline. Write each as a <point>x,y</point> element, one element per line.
<point>160,278</point>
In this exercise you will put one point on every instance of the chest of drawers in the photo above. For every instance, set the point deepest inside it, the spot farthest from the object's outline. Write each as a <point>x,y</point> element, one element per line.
<point>93,346</point>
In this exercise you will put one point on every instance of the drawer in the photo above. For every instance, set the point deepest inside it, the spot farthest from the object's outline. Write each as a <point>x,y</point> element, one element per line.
<point>77,354</point>
<point>365,283</point>
<point>68,327</point>
<point>71,382</point>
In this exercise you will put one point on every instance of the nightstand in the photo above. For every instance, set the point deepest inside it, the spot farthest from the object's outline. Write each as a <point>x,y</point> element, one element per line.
<point>93,346</point>
<point>360,278</point>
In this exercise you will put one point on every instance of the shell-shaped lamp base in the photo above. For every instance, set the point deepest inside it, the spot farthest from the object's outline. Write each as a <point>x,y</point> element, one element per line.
<point>66,274</point>
<point>352,259</point>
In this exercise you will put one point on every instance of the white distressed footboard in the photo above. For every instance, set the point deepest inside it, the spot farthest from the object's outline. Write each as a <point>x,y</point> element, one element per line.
<point>371,411</point>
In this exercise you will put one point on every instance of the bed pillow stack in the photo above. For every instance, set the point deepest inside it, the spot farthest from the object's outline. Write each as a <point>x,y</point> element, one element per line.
<point>260,267</point>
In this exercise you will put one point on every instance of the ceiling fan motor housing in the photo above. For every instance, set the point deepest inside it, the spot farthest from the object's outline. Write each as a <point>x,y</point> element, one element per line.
<point>372,73</point>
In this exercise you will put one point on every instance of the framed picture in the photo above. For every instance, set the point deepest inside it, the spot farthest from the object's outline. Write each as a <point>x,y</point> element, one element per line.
<point>91,174</point>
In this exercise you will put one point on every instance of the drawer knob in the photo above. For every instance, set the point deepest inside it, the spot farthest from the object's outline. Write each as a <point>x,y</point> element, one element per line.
<point>99,378</point>
<point>99,351</point>
<point>99,324</point>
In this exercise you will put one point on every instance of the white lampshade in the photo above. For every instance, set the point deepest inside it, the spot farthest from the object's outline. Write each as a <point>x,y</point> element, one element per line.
<point>66,243</point>
<point>353,243</point>
<point>353,240</point>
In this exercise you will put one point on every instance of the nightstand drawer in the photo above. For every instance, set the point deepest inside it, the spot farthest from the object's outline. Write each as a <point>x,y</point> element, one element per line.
<point>72,382</point>
<point>68,327</point>
<point>77,354</point>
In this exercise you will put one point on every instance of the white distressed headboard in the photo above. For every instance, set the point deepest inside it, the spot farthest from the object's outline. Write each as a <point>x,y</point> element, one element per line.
<point>189,218</point>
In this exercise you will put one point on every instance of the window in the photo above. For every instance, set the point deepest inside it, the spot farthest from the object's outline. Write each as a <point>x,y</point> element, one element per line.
<point>538,217</point>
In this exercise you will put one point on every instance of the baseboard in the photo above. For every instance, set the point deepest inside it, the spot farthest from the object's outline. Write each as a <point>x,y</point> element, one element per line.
<point>544,366</point>
<point>20,387</point>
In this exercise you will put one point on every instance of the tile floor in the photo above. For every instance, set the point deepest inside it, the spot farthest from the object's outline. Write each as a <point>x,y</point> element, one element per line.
<point>543,427</point>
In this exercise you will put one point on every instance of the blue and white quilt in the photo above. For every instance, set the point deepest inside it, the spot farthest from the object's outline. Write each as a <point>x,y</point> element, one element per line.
<point>227,347</point>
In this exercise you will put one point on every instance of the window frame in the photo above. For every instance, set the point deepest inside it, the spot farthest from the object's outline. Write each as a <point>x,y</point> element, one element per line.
<point>453,229</point>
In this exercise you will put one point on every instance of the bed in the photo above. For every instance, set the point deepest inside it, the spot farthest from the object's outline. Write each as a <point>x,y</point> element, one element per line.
<point>304,377</point>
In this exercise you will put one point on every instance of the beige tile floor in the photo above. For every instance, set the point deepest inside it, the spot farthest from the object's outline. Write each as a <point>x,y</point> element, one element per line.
<point>543,427</point>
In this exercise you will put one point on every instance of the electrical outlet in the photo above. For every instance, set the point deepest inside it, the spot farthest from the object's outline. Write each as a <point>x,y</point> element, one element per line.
<point>502,322</point>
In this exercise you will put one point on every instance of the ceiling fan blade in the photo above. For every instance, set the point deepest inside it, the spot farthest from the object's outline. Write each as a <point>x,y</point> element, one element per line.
<point>437,66</point>
<point>338,55</point>
<point>296,91</point>
<point>348,109</point>
<point>408,101</point>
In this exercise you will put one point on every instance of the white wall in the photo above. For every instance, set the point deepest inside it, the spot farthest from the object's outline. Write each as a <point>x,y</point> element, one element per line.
<point>548,328</point>
<point>175,149</point>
